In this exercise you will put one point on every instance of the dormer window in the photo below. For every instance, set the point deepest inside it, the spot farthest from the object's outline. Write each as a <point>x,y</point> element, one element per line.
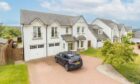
<point>36,32</point>
<point>100,31</point>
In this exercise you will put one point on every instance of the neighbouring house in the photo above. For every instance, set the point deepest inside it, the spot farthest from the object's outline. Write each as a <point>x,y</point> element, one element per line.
<point>46,34</point>
<point>98,36</point>
<point>136,36</point>
<point>112,29</point>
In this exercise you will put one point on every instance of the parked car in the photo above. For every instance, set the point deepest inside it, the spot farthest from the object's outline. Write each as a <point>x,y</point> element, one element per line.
<point>70,60</point>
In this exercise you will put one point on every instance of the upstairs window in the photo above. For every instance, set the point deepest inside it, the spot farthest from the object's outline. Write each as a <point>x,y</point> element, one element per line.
<point>36,32</point>
<point>54,32</point>
<point>83,29</point>
<point>78,29</point>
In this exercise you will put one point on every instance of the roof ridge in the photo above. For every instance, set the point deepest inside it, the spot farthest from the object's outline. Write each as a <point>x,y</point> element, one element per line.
<point>48,13</point>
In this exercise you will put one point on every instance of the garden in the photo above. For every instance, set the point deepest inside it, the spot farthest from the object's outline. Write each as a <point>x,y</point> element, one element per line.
<point>121,57</point>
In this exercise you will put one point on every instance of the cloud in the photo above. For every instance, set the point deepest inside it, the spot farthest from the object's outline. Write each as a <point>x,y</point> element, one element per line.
<point>117,9</point>
<point>4,6</point>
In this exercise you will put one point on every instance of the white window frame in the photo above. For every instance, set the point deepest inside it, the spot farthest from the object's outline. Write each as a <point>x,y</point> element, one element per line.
<point>36,31</point>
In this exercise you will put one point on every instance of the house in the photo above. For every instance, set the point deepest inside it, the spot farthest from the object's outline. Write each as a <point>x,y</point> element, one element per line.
<point>98,36</point>
<point>113,30</point>
<point>46,34</point>
<point>136,36</point>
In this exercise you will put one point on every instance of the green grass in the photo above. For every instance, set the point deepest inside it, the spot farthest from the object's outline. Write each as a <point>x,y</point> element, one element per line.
<point>14,74</point>
<point>130,70</point>
<point>93,53</point>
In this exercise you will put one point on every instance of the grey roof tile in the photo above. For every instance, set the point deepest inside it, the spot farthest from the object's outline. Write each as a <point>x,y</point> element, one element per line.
<point>68,38</point>
<point>27,17</point>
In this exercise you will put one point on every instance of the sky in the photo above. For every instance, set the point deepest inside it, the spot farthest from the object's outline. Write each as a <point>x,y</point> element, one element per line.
<point>121,11</point>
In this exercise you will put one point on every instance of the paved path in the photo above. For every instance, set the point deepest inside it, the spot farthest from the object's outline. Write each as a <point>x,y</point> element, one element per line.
<point>46,71</point>
<point>136,50</point>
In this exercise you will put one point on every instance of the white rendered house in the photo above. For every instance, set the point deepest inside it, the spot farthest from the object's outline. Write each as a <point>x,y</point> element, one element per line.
<point>46,34</point>
<point>112,29</point>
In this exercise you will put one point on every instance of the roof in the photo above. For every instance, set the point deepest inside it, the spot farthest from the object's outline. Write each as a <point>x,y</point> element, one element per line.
<point>68,38</point>
<point>94,30</point>
<point>81,37</point>
<point>3,41</point>
<point>109,23</point>
<point>28,16</point>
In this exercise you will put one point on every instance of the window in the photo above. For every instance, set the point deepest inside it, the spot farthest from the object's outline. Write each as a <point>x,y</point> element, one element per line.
<point>83,29</point>
<point>54,32</point>
<point>64,45</point>
<point>78,44</point>
<point>67,30</point>
<point>78,29</point>
<point>51,44</point>
<point>100,31</point>
<point>82,43</point>
<point>41,46</point>
<point>57,44</point>
<point>36,32</point>
<point>33,46</point>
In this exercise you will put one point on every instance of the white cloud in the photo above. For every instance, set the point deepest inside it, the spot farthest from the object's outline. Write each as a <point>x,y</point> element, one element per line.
<point>101,8</point>
<point>4,6</point>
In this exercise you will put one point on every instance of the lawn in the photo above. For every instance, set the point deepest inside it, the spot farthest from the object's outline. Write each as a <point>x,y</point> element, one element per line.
<point>93,53</point>
<point>14,74</point>
<point>131,70</point>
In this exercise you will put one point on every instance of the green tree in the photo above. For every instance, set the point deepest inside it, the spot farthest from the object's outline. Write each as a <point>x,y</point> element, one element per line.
<point>126,39</point>
<point>117,53</point>
<point>1,29</point>
<point>10,32</point>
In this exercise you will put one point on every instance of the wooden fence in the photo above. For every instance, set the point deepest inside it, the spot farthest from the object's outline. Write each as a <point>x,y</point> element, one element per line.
<point>9,54</point>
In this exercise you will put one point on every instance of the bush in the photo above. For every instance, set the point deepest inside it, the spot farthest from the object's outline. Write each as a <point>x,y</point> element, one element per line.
<point>9,32</point>
<point>117,53</point>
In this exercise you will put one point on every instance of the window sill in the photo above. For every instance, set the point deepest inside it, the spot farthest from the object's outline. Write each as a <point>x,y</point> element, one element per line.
<point>40,38</point>
<point>54,37</point>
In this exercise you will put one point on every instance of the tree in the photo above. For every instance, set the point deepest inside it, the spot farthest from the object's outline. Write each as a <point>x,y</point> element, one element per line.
<point>126,39</point>
<point>1,29</point>
<point>10,32</point>
<point>117,53</point>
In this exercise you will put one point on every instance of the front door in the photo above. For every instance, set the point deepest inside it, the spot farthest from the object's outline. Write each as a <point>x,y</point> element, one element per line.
<point>70,46</point>
<point>89,43</point>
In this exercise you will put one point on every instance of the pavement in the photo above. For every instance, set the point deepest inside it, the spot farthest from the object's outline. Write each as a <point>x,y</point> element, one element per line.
<point>136,50</point>
<point>46,71</point>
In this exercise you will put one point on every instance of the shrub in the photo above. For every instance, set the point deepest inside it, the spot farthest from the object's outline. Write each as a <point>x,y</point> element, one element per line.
<point>117,53</point>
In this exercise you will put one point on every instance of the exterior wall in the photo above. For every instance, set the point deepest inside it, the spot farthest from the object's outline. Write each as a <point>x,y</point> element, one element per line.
<point>123,32</point>
<point>115,31</point>
<point>28,40</point>
<point>54,49</point>
<point>106,29</point>
<point>87,33</point>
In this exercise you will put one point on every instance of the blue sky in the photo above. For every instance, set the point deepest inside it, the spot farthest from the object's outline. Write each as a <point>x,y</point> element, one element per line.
<point>122,11</point>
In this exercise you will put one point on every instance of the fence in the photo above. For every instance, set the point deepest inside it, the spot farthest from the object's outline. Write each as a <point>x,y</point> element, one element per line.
<point>9,54</point>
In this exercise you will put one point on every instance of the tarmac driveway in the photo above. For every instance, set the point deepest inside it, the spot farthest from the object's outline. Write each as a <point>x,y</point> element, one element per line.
<point>46,71</point>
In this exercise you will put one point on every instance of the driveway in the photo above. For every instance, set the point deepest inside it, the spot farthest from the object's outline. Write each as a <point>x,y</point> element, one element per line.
<point>46,71</point>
